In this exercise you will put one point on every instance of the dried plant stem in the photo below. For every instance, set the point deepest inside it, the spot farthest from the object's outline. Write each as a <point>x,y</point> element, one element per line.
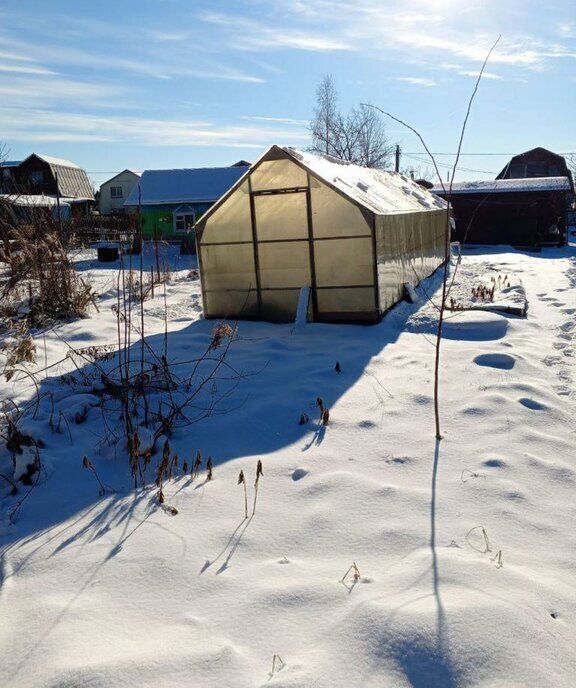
<point>259,472</point>
<point>356,571</point>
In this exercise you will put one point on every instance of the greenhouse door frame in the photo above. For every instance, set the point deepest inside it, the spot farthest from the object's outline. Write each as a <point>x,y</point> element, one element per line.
<point>310,239</point>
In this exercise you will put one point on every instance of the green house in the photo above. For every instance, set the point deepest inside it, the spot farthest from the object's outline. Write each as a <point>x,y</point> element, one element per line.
<point>172,201</point>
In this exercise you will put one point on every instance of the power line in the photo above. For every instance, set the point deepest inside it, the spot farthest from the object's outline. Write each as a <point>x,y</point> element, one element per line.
<point>448,165</point>
<point>495,154</point>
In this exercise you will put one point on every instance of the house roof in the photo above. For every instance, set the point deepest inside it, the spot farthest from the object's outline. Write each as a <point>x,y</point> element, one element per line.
<point>55,161</point>
<point>136,174</point>
<point>10,163</point>
<point>529,184</point>
<point>200,185</point>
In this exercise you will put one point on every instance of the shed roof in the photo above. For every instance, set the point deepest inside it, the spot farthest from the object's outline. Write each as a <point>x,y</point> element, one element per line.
<point>526,185</point>
<point>37,200</point>
<point>200,185</point>
<point>10,163</point>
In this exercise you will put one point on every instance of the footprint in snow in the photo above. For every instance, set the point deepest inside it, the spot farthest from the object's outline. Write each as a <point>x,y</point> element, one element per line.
<point>532,404</point>
<point>495,463</point>
<point>499,361</point>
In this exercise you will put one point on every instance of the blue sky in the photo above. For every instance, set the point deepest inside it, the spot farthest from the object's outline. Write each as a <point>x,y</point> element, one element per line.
<point>174,83</point>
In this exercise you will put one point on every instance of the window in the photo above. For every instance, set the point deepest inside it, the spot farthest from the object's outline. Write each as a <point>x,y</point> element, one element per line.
<point>536,169</point>
<point>115,192</point>
<point>37,176</point>
<point>183,222</point>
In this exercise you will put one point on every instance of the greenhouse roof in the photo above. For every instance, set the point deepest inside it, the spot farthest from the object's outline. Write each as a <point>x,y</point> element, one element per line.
<point>383,192</point>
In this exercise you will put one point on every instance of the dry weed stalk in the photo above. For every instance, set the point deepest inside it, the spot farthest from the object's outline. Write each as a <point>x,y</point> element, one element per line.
<point>277,664</point>
<point>497,559</point>
<point>355,570</point>
<point>197,465</point>
<point>242,481</point>
<point>259,472</point>
<point>86,463</point>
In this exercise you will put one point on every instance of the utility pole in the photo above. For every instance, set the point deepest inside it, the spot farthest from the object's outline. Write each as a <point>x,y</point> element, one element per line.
<point>397,163</point>
<point>58,204</point>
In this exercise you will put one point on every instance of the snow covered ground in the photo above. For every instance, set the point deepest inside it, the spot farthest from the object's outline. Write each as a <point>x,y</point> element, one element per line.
<point>466,549</point>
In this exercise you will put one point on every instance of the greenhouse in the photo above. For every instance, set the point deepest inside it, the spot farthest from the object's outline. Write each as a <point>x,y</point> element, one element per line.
<point>298,225</point>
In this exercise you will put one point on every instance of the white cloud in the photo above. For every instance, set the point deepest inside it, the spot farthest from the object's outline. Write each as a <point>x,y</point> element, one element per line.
<point>247,34</point>
<point>485,75</point>
<point>27,124</point>
<point>283,120</point>
<point>416,80</point>
<point>25,91</point>
<point>24,69</point>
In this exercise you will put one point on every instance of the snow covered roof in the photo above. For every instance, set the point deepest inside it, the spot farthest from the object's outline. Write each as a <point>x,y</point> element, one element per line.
<point>200,185</point>
<point>381,191</point>
<point>37,200</point>
<point>10,163</point>
<point>507,185</point>
<point>55,161</point>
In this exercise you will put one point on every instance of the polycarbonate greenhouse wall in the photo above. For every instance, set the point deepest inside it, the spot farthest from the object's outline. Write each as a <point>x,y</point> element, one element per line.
<point>282,228</point>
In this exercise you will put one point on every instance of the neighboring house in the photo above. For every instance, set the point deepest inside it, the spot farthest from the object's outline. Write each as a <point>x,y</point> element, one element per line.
<point>7,175</point>
<point>540,162</point>
<point>520,212</point>
<point>115,191</point>
<point>44,176</point>
<point>526,205</point>
<point>172,201</point>
<point>299,225</point>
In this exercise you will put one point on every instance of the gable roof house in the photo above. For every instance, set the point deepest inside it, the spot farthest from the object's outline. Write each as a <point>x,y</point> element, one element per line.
<point>40,179</point>
<point>526,205</point>
<point>115,191</point>
<point>171,201</point>
<point>298,223</point>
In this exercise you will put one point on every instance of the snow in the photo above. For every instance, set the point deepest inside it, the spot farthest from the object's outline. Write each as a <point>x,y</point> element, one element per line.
<point>506,185</point>
<point>37,200</point>
<point>201,185</point>
<point>116,591</point>
<point>55,161</point>
<point>380,191</point>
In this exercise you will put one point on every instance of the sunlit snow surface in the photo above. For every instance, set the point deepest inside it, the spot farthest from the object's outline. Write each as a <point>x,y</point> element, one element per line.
<point>116,592</point>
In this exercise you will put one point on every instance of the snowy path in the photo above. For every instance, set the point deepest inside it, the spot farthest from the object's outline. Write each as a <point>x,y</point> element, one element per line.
<point>115,592</point>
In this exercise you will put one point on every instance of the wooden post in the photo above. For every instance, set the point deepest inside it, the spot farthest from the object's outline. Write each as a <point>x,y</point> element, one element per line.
<point>397,161</point>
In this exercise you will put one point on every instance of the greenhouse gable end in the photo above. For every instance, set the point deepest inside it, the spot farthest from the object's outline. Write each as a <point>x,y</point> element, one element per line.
<point>353,235</point>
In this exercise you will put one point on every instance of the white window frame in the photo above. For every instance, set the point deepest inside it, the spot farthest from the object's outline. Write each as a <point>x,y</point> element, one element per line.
<point>114,192</point>
<point>186,229</point>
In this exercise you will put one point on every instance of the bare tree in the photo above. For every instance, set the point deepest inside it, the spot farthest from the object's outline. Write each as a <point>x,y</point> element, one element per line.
<point>323,126</point>
<point>358,136</point>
